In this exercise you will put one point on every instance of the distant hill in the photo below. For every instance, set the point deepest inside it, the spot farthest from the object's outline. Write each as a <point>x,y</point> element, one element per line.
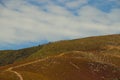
<point>90,44</point>
<point>91,58</point>
<point>11,56</point>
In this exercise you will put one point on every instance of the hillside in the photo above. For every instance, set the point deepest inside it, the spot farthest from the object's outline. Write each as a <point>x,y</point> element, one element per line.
<point>10,56</point>
<point>92,58</point>
<point>90,44</point>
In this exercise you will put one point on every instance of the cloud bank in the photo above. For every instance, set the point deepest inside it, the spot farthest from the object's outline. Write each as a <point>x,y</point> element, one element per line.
<point>37,20</point>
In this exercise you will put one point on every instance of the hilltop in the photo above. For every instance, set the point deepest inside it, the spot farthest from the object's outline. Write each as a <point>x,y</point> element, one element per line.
<point>91,58</point>
<point>89,44</point>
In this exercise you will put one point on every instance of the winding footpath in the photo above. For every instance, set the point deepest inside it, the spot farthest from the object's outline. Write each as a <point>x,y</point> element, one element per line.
<point>17,73</point>
<point>25,64</point>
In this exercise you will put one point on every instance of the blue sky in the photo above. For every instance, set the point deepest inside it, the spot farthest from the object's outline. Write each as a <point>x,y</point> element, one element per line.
<point>25,23</point>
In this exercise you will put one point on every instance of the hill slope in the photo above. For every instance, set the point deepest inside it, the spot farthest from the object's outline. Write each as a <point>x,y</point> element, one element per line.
<point>74,65</point>
<point>10,56</point>
<point>93,58</point>
<point>91,44</point>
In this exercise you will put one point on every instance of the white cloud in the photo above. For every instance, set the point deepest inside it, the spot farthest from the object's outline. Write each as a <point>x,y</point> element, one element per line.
<point>76,3</point>
<point>31,23</point>
<point>58,10</point>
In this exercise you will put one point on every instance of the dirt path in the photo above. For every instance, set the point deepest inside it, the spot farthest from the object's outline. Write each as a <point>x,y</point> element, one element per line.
<point>18,74</point>
<point>21,65</point>
<point>32,62</point>
<point>15,72</point>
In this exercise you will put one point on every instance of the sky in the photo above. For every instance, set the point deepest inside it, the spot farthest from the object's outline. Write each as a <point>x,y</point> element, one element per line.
<point>25,23</point>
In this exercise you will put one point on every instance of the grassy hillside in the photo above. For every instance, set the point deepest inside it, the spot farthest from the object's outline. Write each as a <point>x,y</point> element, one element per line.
<point>90,44</point>
<point>92,58</point>
<point>11,56</point>
<point>69,66</point>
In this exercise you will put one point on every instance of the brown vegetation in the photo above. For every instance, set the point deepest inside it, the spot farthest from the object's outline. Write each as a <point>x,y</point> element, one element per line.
<point>93,58</point>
